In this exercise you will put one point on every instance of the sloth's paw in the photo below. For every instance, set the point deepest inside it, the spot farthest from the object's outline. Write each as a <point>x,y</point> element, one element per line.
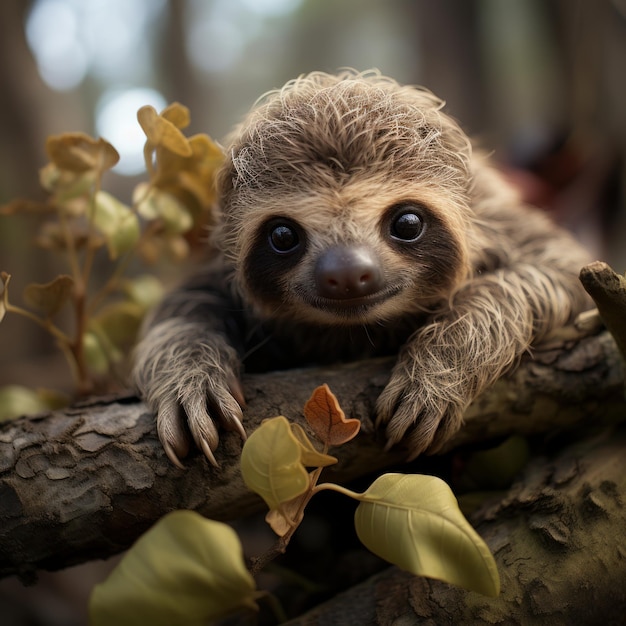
<point>195,415</point>
<point>415,417</point>
<point>188,378</point>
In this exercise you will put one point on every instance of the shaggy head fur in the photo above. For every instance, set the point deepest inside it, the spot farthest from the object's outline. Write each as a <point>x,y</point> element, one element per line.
<point>337,156</point>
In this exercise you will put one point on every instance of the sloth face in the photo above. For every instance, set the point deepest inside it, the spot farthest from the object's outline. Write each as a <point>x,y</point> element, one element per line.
<point>351,266</point>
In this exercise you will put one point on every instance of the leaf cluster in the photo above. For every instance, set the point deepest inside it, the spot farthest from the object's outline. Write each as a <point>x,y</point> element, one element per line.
<point>83,223</point>
<point>190,570</point>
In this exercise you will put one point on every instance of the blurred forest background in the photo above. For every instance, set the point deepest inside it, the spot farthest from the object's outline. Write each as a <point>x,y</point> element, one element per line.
<point>541,82</point>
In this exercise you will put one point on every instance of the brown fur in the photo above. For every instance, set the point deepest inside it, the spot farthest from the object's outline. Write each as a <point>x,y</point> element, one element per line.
<point>336,158</point>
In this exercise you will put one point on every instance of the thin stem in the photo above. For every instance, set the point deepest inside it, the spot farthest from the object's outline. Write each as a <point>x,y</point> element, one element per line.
<point>258,563</point>
<point>338,489</point>
<point>84,383</point>
<point>45,323</point>
<point>111,283</point>
<point>119,270</point>
<point>70,244</point>
<point>75,346</point>
<point>148,149</point>
<point>91,251</point>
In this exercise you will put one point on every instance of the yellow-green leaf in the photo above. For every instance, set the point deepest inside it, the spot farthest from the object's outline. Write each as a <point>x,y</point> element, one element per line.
<point>117,222</point>
<point>161,132</point>
<point>66,185</point>
<point>16,400</point>
<point>186,570</point>
<point>271,465</point>
<point>119,321</point>
<point>414,522</point>
<point>145,290</point>
<point>77,152</point>
<point>50,297</point>
<point>177,114</point>
<point>166,207</point>
<point>310,457</point>
<point>95,354</point>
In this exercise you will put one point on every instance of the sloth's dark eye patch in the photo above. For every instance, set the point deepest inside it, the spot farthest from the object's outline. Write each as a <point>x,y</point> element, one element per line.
<point>283,237</point>
<point>278,246</point>
<point>407,222</point>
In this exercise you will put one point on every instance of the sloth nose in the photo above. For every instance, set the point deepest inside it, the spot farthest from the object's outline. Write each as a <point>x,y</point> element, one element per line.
<point>344,272</point>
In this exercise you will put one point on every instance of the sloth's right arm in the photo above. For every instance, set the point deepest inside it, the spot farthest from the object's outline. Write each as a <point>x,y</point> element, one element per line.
<point>186,366</point>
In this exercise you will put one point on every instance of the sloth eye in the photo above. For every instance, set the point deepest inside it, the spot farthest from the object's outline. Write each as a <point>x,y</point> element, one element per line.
<point>407,224</point>
<point>283,238</point>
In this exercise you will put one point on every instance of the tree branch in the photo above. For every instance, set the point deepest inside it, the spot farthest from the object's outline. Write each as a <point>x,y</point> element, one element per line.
<point>558,538</point>
<point>85,482</point>
<point>608,290</point>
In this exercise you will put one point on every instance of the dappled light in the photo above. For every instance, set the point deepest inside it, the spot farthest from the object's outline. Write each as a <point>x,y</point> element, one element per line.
<point>116,119</point>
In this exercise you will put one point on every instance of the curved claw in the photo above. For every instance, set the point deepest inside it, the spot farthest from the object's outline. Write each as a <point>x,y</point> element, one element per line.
<point>208,453</point>
<point>172,433</point>
<point>171,455</point>
<point>202,427</point>
<point>234,423</point>
<point>236,391</point>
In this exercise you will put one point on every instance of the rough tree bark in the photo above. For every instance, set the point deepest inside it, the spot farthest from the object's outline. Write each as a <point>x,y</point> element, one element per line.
<point>558,538</point>
<point>84,482</point>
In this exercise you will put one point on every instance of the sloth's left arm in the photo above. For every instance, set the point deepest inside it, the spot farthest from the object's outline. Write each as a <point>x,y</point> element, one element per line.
<point>492,320</point>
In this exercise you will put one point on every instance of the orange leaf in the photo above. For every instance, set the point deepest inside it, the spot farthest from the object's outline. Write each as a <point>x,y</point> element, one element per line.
<point>327,419</point>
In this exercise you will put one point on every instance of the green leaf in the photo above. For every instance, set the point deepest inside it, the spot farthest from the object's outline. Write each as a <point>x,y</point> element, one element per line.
<point>186,570</point>
<point>309,455</point>
<point>414,522</point>
<point>145,290</point>
<point>117,222</point>
<point>66,185</point>
<point>162,205</point>
<point>16,400</point>
<point>50,297</point>
<point>271,463</point>
<point>95,353</point>
<point>119,322</point>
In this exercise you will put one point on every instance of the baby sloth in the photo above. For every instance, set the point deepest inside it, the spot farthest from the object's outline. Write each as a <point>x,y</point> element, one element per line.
<point>355,221</point>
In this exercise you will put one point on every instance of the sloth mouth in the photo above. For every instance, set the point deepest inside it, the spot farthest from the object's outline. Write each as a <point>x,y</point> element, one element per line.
<point>355,307</point>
